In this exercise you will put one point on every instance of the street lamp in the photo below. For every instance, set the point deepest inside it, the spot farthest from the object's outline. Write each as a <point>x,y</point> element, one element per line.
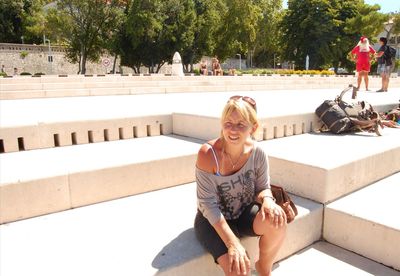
<point>240,61</point>
<point>50,57</point>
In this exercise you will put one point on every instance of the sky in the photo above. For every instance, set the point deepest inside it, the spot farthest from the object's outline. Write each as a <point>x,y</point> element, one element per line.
<point>386,5</point>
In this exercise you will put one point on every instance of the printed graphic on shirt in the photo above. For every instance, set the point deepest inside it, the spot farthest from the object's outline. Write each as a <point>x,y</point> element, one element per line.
<point>236,192</point>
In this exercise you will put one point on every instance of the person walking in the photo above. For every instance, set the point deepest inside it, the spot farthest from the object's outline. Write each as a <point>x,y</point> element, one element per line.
<point>384,64</point>
<point>362,54</point>
<point>234,197</point>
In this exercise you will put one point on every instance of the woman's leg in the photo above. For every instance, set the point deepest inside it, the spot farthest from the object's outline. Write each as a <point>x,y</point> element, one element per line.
<point>359,78</point>
<point>270,242</point>
<point>366,80</point>
<point>386,81</point>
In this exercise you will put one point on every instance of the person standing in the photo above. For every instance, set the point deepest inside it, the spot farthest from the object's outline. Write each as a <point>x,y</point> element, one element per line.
<point>384,64</point>
<point>234,197</point>
<point>362,54</point>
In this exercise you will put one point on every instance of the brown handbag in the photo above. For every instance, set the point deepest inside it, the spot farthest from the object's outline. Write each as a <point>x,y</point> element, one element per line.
<point>282,199</point>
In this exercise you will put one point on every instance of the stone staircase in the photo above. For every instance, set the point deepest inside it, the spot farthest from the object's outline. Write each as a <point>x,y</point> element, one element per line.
<point>118,196</point>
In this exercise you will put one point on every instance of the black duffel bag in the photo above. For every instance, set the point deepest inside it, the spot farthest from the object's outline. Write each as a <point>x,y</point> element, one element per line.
<point>334,117</point>
<point>339,116</point>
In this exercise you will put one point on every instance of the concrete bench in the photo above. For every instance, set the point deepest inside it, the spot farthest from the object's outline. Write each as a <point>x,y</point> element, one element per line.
<point>49,180</point>
<point>11,88</point>
<point>44,123</point>
<point>367,222</point>
<point>325,167</point>
<point>323,258</point>
<point>281,114</point>
<point>146,234</point>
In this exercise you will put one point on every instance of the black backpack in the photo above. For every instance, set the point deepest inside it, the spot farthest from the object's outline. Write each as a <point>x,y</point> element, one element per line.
<point>339,116</point>
<point>390,55</point>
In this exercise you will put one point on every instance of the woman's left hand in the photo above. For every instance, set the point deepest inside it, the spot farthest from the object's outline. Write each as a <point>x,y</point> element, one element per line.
<point>275,213</point>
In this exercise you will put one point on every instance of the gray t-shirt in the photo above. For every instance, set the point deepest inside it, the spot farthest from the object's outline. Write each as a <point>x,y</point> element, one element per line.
<point>229,195</point>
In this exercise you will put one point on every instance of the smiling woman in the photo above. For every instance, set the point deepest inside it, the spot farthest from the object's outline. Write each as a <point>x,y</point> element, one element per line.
<point>234,195</point>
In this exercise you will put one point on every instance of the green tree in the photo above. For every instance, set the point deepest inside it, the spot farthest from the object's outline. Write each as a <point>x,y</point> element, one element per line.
<point>141,33</point>
<point>155,30</point>
<point>237,32</point>
<point>307,29</point>
<point>11,16</point>
<point>366,21</point>
<point>206,21</point>
<point>178,29</point>
<point>327,30</point>
<point>266,49</point>
<point>85,26</point>
<point>34,22</point>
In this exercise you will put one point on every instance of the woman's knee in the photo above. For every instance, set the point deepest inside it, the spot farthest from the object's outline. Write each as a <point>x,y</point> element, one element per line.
<point>266,227</point>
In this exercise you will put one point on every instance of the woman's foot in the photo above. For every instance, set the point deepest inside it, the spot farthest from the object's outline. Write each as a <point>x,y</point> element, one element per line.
<point>380,90</point>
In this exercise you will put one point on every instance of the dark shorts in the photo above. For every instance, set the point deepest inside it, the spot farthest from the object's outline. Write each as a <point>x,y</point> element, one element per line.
<point>211,241</point>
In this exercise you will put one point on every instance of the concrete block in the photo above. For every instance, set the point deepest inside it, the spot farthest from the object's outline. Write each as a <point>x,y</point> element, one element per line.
<point>323,258</point>
<point>174,164</point>
<point>63,86</point>
<point>58,93</point>
<point>20,138</point>
<point>324,167</point>
<point>200,127</point>
<point>15,86</point>
<point>109,91</point>
<point>366,222</point>
<point>29,198</point>
<point>22,94</point>
<point>173,251</point>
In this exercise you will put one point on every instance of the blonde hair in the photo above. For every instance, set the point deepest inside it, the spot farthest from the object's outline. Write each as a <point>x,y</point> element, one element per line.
<point>248,113</point>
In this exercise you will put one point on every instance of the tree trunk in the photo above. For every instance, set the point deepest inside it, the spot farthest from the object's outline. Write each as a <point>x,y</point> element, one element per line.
<point>83,66</point>
<point>79,64</point>
<point>114,63</point>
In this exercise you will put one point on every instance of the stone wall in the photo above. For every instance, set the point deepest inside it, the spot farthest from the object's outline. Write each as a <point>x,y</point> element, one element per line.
<point>34,59</point>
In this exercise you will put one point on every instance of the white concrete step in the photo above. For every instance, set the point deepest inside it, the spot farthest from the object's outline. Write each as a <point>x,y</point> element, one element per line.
<point>18,88</point>
<point>281,113</point>
<point>367,221</point>
<point>325,167</point>
<point>44,123</point>
<point>326,259</point>
<point>44,181</point>
<point>146,234</point>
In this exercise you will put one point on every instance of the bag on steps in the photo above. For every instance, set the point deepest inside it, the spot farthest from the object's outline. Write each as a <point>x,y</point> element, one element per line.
<point>339,116</point>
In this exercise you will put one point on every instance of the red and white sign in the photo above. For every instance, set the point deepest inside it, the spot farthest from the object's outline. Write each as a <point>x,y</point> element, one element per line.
<point>106,62</point>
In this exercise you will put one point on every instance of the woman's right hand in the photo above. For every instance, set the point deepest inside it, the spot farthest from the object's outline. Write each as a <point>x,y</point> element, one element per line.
<point>238,259</point>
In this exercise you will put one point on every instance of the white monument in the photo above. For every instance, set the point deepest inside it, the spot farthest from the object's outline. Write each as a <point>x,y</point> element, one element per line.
<point>177,67</point>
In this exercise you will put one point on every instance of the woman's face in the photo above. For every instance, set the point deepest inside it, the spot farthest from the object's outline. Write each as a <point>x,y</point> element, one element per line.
<point>235,129</point>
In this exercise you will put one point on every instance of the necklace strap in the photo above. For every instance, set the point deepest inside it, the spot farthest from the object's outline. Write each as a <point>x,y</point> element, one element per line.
<point>230,158</point>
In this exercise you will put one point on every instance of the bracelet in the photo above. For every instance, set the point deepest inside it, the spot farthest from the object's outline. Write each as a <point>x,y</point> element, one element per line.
<point>273,198</point>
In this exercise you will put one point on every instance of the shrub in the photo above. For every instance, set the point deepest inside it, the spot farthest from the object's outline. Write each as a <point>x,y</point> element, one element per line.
<point>3,74</point>
<point>25,74</point>
<point>23,54</point>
